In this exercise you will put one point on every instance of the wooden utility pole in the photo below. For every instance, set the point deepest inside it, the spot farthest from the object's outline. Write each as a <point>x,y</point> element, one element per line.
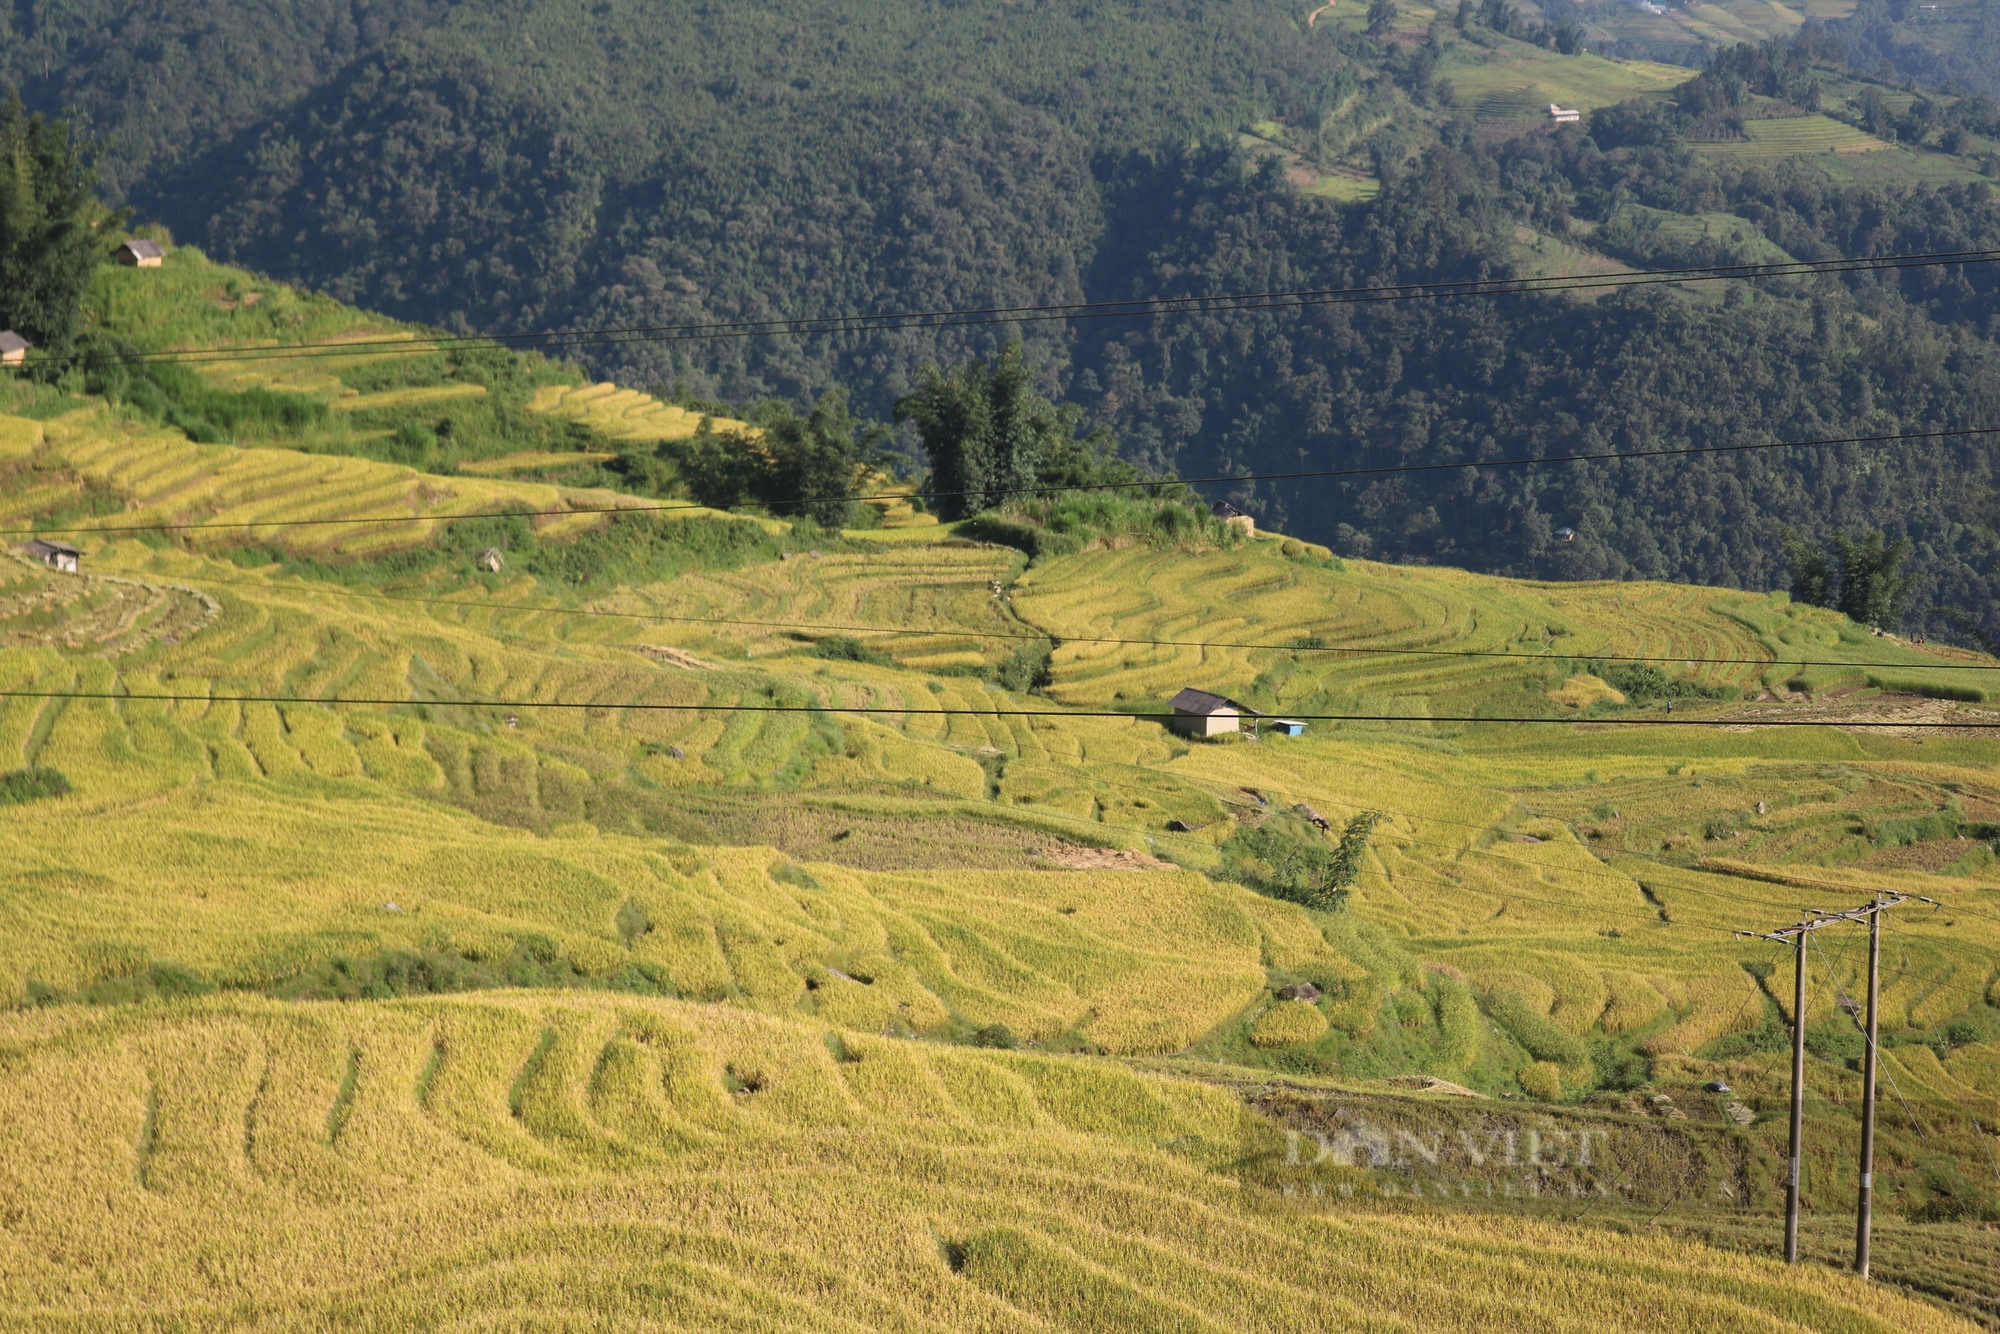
<point>1795,936</point>
<point>1864,1212</point>
<point>1798,1097</point>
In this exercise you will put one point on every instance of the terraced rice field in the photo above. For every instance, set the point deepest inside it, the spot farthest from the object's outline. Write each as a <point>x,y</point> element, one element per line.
<point>624,414</point>
<point>815,979</point>
<point>666,1166</point>
<point>415,396</point>
<point>1517,82</point>
<point>1158,604</point>
<point>1534,918</point>
<point>162,477</point>
<point>531,461</point>
<point>1797,136</point>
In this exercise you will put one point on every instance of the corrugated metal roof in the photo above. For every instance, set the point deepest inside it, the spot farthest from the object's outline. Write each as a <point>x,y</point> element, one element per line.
<point>1191,700</point>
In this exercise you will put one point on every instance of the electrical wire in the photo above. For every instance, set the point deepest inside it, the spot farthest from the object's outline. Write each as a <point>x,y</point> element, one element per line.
<point>1138,307</point>
<point>652,706</point>
<point>1881,1064</point>
<point>1980,1131</point>
<point>1304,474</point>
<point>1063,638</point>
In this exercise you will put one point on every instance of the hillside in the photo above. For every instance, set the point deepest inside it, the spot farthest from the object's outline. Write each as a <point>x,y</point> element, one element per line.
<point>516,169</point>
<point>706,917</point>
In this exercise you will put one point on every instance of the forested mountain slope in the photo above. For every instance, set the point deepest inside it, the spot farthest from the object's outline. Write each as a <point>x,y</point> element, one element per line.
<point>548,164</point>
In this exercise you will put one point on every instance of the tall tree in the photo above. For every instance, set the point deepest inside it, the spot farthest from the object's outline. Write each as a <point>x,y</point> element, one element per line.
<point>989,435</point>
<point>818,460</point>
<point>792,464</point>
<point>50,226</point>
<point>1812,574</point>
<point>1871,590</point>
<point>1866,587</point>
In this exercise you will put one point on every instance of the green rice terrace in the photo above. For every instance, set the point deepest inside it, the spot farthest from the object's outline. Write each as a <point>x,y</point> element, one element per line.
<point>396,932</point>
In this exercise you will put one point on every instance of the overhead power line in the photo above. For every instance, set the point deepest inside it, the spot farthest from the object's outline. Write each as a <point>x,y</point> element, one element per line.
<point>650,706</point>
<point>681,506</point>
<point>1031,636</point>
<point>1133,308</point>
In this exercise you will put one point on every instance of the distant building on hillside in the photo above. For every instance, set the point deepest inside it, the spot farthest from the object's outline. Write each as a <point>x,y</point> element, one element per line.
<point>1565,534</point>
<point>141,254</point>
<point>1234,517</point>
<point>1563,115</point>
<point>13,348</point>
<point>1288,727</point>
<point>491,559</point>
<point>1200,713</point>
<point>64,558</point>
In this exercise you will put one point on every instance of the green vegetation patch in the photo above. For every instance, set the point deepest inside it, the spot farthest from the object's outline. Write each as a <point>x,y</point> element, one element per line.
<point>21,786</point>
<point>1291,857</point>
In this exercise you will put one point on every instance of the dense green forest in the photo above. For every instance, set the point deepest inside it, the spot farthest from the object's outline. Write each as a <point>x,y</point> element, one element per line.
<point>516,165</point>
<point>1462,382</point>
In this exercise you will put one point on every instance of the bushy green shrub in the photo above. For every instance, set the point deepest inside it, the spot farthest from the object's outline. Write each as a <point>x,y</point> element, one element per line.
<point>32,784</point>
<point>1292,859</point>
<point>1642,682</point>
<point>1029,667</point>
<point>177,396</point>
<point>1063,525</point>
<point>846,648</point>
<point>1946,822</point>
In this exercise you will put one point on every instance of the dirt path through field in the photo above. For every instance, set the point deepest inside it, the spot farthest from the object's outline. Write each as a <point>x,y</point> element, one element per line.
<point>1878,709</point>
<point>1313,17</point>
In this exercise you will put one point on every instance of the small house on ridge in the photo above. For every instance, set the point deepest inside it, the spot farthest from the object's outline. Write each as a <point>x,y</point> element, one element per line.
<point>13,348</point>
<point>1234,517</point>
<point>1203,713</point>
<point>62,557</point>
<point>141,254</point>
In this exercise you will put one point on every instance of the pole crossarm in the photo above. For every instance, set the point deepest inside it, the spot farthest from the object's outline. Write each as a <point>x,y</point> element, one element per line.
<point>1815,919</point>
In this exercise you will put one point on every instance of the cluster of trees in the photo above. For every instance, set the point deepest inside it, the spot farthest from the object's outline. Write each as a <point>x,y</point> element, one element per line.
<point>811,464</point>
<point>1712,103</point>
<point>990,439</point>
<point>53,230</point>
<point>1899,39</point>
<point>1562,33</point>
<point>1863,579</point>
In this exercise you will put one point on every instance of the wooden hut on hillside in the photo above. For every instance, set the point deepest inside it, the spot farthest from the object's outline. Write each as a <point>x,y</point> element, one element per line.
<point>13,348</point>
<point>141,254</point>
<point>63,557</point>
<point>1234,517</point>
<point>1203,713</point>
